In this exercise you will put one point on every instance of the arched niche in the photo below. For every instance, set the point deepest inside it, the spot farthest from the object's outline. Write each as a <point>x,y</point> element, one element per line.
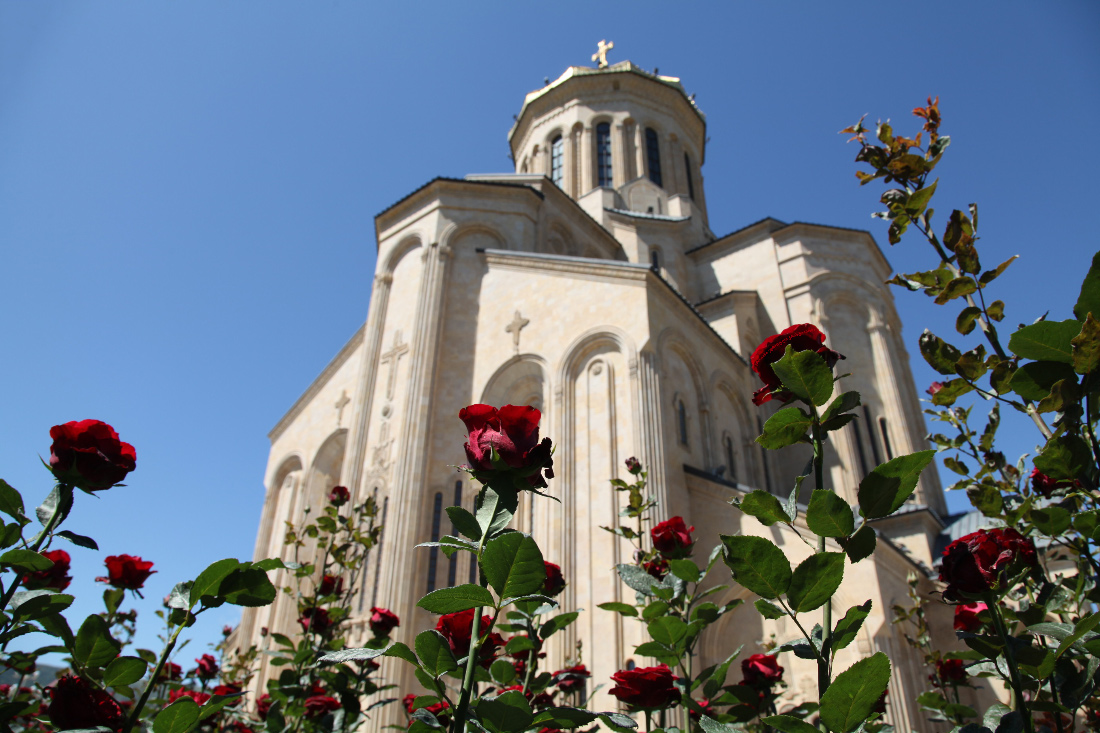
<point>519,381</point>
<point>282,495</point>
<point>326,468</point>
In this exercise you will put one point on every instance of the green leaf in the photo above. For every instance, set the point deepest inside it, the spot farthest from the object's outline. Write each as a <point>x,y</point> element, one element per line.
<point>513,565</point>
<point>31,605</point>
<point>768,609</point>
<point>951,390</point>
<point>815,580</point>
<point>685,570</point>
<point>888,486</point>
<point>507,713</point>
<point>557,623</point>
<point>434,653</point>
<point>717,678</point>
<point>845,402</point>
<point>624,608</point>
<point>179,717</point>
<point>464,522</point>
<point>78,539</point>
<point>786,427</point>
<point>848,627</point>
<point>860,545</point>
<point>828,515</point>
<point>354,655</point>
<point>1089,299</point>
<point>990,275</point>
<point>1046,341</point>
<point>94,646</point>
<point>1033,380</point>
<point>1082,627</point>
<point>1063,458</point>
<point>564,717</point>
<point>968,318</point>
<point>789,724</point>
<point>59,501</point>
<point>806,375</point>
<point>618,722</point>
<point>637,578</point>
<point>494,508</point>
<point>451,600</point>
<point>853,695</point>
<point>765,507</point>
<point>710,725</point>
<point>216,703</point>
<point>503,672</point>
<point>124,671</point>
<point>667,630</point>
<point>1051,520</point>
<point>957,288</point>
<point>401,651</point>
<point>1086,346</point>
<point>25,560</point>
<point>210,579</point>
<point>246,586</point>
<point>757,564</point>
<point>11,501</point>
<point>939,354</point>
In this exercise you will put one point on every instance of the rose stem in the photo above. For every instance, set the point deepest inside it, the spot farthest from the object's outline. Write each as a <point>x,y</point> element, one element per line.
<point>1010,659</point>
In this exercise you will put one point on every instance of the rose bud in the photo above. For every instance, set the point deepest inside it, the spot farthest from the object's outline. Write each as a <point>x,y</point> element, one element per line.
<point>645,688</point>
<point>383,621</point>
<point>966,617</point>
<point>339,495</point>
<point>979,562</point>
<point>633,465</point>
<point>208,667</point>
<point>227,630</point>
<point>949,670</point>
<point>800,337</point>
<point>55,577</point>
<point>76,704</point>
<point>672,538</point>
<point>126,571</point>
<point>934,388</point>
<point>316,620</point>
<point>89,455</point>
<point>331,585</point>
<point>455,628</point>
<point>512,433</point>
<point>555,582</point>
<point>761,670</point>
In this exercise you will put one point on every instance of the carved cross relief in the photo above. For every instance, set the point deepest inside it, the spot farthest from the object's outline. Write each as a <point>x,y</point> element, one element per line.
<point>340,405</point>
<point>393,358</point>
<point>517,324</point>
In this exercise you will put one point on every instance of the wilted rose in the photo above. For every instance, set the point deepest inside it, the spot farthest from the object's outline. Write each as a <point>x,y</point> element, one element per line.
<point>645,688</point>
<point>89,455</point>
<point>800,337</point>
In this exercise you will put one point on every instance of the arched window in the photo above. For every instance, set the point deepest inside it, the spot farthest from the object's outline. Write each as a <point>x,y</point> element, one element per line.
<point>871,435</point>
<point>857,436</point>
<point>653,155</point>
<point>452,569</point>
<point>603,154</point>
<point>681,414</point>
<point>557,151</point>
<point>655,260</point>
<point>885,438</point>
<point>378,552</point>
<point>365,565</point>
<point>731,464</point>
<point>433,553</point>
<point>687,172</point>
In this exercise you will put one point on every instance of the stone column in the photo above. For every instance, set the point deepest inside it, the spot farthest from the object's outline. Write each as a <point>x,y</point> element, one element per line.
<point>587,178</point>
<point>640,151</point>
<point>651,450</point>
<point>618,156</point>
<point>568,162</point>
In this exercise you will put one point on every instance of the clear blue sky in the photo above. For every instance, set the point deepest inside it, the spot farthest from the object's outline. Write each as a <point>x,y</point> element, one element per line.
<point>187,193</point>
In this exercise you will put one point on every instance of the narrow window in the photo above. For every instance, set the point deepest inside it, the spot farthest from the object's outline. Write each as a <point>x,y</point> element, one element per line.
<point>653,155</point>
<point>378,552</point>
<point>764,458</point>
<point>885,438</point>
<point>687,172</point>
<point>557,150</point>
<point>452,569</point>
<point>681,413</point>
<point>871,434</point>
<point>366,564</point>
<point>655,260</point>
<point>433,553</point>
<point>603,154</point>
<point>731,465</point>
<point>857,436</point>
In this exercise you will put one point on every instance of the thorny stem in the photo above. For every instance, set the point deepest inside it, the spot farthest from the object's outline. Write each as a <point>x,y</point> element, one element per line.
<point>823,675</point>
<point>1010,660</point>
<point>459,723</point>
<point>136,714</point>
<point>45,533</point>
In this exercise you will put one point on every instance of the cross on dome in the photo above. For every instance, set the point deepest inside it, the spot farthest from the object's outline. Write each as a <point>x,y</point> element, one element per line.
<point>601,53</point>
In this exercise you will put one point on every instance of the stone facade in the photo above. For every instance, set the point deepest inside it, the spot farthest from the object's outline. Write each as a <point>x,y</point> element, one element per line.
<point>589,284</point>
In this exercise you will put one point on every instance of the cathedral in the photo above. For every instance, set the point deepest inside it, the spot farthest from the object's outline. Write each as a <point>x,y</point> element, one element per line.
<point>588,283</point>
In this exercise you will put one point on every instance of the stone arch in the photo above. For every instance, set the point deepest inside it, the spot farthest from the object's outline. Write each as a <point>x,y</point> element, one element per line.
<point>738,426</point>
<point>282,492</point>
<point>559,241</point>
<point>456,233</point>
<point>324,472</point>
<point>397,253</point>
<point>681,368</point>
<point>519,381</point>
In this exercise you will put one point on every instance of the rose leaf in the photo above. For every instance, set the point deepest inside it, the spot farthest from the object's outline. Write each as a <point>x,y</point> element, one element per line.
<point>815,580</point>
<point>828,515</point>
<point>513,565</point>
<point>888,486</point>
<point>852,696</point>
<point>757,564</point>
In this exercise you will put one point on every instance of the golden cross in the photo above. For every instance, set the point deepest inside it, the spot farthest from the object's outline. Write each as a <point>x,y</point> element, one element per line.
<point>601,53</point>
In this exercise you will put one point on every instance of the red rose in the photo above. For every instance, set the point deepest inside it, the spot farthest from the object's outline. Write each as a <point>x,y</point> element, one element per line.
<point>513,432</point>
<point>227,690</point>
<point>978,562</point>
<point>572,679</point>
<point>88,454</point>
<point>318,705</point>
<point>5,690</point>
<point>707,710</point>
<point>227,630</point>
<point>383,621</point>
<point>658,567</point>
<point>761,670</point>
<point>200,698</point>
<point>55,577</point>
<point>438,710</point>
<point>672,538</point>
<point>208,667</point>
<point>950,670</point>
<point>126,571</point>
<point>75,703</point>
<point>633,465</point>
<point>171,671</point>
<point>966,617</point>
<point>408,702</point>
<point>934,388</point>
<point>339,495</point>
<point>555,582</point>
<point>880,706</point>
<point>645,687</point>
<point>263,704</point>
<point>456,627</point>
<point>1045,486</point>
<point>800,337</point>
<point>316,620</point>
<point>331,585</point>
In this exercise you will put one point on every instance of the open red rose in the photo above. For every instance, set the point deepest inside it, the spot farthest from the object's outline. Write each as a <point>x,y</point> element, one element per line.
<point>761,670</point>
<point>55,577</point>
<point>966,617</point>
<point>200,698</point>
<point>75,703</point>
<point>316,620</point>
<point>331,585</point>
<point>513,432</point>
<point>207,668</point>
<point>383,621</point>
<point>318,705</point>
<point>171,671</point>
<point>573,678</point>
<point>800,337</point>
<point>555,581</point>
<point>672,538</point>
<point>339,495</point>
<point>645,688</point>
<point>950,670</point>
<point>1045,486</point>
<point>127,571</point>
<point>980,561</point>
<point>456,627</point>
<point>88,454</point>
<point>229,689</point>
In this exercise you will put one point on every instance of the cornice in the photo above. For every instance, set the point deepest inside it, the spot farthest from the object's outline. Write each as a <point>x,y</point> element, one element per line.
<point>435,187</point>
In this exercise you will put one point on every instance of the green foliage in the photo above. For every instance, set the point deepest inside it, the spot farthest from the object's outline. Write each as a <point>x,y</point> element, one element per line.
<point>459,598</point>
<point>854,693</point>
<point>805,374</point>
<point>887,487</point>
<point>786,427</point>
<point>765,507</point>
<point>828,515</point>
<point>815,580</point>
<point>757,564</point>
